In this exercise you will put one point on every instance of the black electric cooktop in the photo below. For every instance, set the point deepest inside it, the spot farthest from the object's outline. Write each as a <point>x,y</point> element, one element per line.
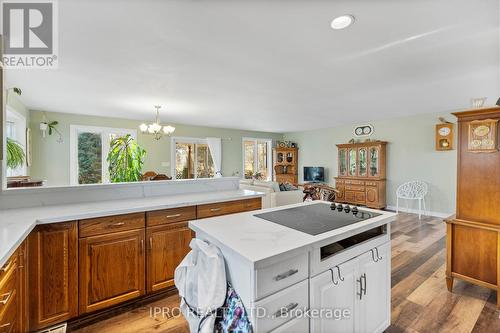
<point>317,218</point>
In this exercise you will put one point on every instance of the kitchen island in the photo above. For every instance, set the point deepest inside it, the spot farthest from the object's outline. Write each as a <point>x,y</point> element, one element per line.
<point>307,267</point>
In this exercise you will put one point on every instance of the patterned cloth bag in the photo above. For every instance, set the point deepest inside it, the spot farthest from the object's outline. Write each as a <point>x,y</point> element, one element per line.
<point>233,318</point>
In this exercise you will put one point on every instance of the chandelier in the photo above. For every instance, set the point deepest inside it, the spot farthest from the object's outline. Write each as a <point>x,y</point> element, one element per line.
<point>156,128</point>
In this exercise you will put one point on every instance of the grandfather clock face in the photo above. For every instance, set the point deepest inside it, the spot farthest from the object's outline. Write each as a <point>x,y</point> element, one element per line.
<point>444,137</point>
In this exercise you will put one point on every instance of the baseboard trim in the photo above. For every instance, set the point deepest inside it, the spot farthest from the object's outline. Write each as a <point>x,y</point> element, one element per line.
<point>415,211</point>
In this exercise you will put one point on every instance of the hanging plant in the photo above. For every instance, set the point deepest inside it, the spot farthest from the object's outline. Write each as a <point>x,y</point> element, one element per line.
<point>126,159</point>
<point>15,154</point>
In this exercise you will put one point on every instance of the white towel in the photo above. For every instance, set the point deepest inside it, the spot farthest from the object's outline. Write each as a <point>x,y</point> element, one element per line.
<point>201,281</point>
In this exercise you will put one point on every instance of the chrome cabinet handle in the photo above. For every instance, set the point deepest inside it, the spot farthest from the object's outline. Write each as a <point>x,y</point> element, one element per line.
<point>364,278</point>
<point>378,257</point>
<point>117,224</point>
<point>215,209</point>
<point>284,311</point>
<point>142,246</point>
<point>173,215</point>
<point>286,274</point>
<point>150,243</point>
<point>360,294</point>
<point>5,326</point>
<point>5,298</point>
<point>335,282</point>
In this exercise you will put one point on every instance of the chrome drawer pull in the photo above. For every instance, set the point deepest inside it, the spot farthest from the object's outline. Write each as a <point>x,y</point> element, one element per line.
<point>215,209</point>
<point>5,298</point>
<point>284,311</point>
<point>5,326</point>
<point>117,224</point>
<point>173,215</point>
<point>286,274</point>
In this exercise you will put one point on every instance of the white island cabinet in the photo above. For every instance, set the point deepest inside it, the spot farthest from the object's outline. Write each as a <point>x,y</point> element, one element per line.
<point>292,281</point>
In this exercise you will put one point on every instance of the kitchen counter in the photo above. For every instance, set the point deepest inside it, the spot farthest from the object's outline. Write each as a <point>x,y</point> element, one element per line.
<point>16,224</point>
<point>255,239</point>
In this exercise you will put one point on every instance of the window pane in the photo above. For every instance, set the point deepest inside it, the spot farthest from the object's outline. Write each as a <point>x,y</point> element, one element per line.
<point>10,130</point>
<point>184,166</point>
<point>89,158</point>
<point>204,162</point>
<point>262,159</point>
<point>249,148</point>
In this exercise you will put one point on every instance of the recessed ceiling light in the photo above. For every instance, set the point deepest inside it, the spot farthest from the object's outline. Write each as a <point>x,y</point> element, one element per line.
<point>342,22</point>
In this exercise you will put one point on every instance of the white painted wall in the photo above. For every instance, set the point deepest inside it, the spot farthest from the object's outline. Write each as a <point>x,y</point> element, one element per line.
<point>410,155</point>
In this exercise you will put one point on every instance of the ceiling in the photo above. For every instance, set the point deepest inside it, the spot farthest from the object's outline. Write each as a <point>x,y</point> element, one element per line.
<point>268,65</point>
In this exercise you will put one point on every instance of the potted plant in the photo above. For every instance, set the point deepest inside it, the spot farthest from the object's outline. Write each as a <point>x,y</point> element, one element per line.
<point>126,159</point>
<point>15,154</point>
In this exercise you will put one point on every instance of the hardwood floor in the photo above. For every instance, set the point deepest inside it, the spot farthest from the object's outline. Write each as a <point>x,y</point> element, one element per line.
<point>420,300</point>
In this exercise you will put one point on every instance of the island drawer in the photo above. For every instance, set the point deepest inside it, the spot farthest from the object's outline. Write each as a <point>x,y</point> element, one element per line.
<point>273,278</point>
<point>110,224</point>
<point>165,216</point>
<point>282,307</point>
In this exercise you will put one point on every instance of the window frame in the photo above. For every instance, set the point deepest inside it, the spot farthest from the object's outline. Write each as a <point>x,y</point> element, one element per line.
<point>173,160</point>
<point>105,132</point>
<point>19,128</point>
<point>269,142</point>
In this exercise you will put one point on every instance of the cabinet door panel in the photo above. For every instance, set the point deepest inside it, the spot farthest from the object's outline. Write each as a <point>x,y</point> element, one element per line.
<point>167,246</point>
<point>111,269</point>
<point>53,274</point>
<point>375,303</point>
<point>371,195</point>
<point>326,295</point>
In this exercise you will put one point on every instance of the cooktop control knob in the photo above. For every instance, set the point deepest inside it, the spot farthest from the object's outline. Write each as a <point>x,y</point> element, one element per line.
<point>339,207</point>
<point>347,209</point>
<point>333,206</point>
<point>355,210</point>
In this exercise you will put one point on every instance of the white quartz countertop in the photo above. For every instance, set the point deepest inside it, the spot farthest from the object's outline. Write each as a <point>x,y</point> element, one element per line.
<point>16,224</point>
<point>256,239</point>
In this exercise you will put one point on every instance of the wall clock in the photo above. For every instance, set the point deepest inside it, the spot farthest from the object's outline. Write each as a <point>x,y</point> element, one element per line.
<point>444,136</point>
<point>363,130</point>
<point>483,136</point>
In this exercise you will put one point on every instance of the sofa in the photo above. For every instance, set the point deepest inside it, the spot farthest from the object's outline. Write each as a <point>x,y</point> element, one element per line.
<point>274,197</point>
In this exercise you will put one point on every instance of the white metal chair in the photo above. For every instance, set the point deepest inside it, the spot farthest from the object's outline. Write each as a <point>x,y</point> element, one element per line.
<point>414,190</point>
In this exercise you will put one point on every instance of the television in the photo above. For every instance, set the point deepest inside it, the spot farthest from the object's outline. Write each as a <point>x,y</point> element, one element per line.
<point>314,174</point>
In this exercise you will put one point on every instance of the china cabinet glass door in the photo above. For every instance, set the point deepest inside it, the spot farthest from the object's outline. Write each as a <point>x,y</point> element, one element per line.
<point>363,161</point>
<point>374,162</point>
<point>352,162</point>
<point>342,162</point>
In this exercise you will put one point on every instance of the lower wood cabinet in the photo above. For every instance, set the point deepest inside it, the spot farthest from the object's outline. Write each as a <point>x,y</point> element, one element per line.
<point>111,269</point>
<point>53,274</point>
<point>167,246</point>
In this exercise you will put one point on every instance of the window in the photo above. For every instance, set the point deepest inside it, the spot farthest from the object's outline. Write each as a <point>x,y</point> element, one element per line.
<point>191,159</point>
<point>257,158</point>
<point>15,129</point>
<point>89,151</point>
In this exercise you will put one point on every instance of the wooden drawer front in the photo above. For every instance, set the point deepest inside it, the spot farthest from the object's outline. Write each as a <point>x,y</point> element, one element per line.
<point>252,204</point>
<point>167,246</point>
<point>109,224</point>
<point>221,208</point>
<point>270,279</point>
<point>8,266</point>
<point>355,188</point>
<point>293,298</point>
<point>8,289</point>
<point>371,184</point>
<point>9,321</point>
<point>165,216</point>
<point>350,196</point>
<point>354,182</point>
<point>339,181</point>
<point>111,269</point>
